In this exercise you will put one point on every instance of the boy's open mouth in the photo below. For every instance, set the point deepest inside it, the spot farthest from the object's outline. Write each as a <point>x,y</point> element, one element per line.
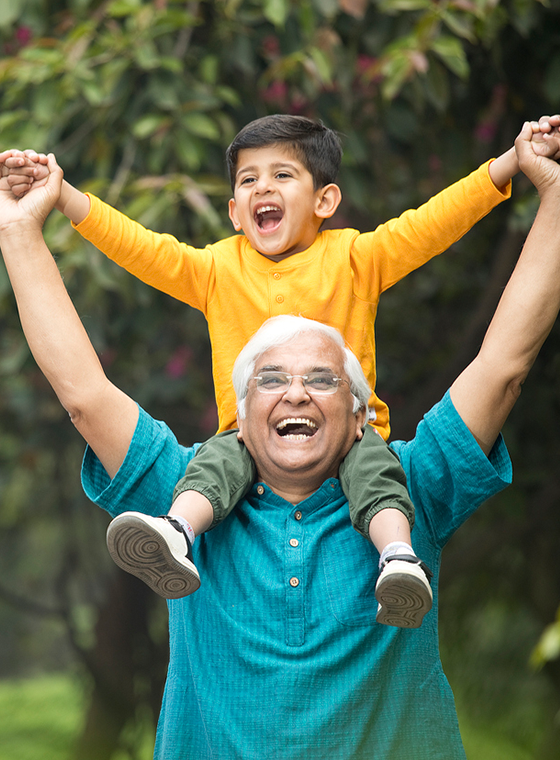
<point>268,218</point>
<point>296,428</point>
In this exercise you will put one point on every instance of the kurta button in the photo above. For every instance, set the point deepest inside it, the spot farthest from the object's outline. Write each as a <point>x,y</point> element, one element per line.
<point>277,275</point>
<point>260,490</point>
<point>294,582</point>
<point>294,542</point>
<point>280,299</point>
<point>298,515</point>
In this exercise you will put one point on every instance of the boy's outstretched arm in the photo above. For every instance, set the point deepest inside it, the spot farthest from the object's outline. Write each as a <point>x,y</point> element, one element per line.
<point>486,391</point>
<point>103,414</point>
<point>26,170</point>
<point>546,142</point>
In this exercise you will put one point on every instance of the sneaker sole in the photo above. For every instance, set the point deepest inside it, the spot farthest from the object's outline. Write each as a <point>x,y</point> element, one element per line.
<point>404,601</point>
<point>139,549</point>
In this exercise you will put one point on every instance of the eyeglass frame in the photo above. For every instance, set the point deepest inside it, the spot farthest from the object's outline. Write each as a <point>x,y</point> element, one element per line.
<point>304,379</point>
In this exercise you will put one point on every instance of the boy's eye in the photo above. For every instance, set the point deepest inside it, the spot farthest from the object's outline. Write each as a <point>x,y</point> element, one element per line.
<point>283,175</point>
<point>247,180</point>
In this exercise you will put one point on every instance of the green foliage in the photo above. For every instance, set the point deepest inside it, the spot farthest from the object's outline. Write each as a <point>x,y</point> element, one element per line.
<point>548,647</point>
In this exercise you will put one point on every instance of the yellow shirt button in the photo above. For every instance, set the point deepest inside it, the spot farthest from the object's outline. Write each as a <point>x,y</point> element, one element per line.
<point>277,275</point>
<point>279,299</point>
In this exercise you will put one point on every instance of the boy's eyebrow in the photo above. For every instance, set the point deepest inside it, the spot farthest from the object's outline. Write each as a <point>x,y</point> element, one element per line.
<point>275,166</point>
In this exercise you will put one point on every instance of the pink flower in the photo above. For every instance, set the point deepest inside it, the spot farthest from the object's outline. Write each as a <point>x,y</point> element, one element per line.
<point>23,35</point>
<point>177,366</point>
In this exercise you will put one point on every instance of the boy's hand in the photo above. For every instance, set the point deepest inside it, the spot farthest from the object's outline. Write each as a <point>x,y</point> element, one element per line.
<point>546,136</point>
<point>22,170</point>
<point>35,206</point>
<point>543,172</point>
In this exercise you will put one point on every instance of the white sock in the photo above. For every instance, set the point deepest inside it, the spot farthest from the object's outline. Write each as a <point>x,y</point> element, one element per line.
<point>186,525</point>
<point>394,549</point>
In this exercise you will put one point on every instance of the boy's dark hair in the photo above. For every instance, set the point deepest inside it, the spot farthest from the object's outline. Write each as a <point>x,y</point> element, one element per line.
<point>316,146</point>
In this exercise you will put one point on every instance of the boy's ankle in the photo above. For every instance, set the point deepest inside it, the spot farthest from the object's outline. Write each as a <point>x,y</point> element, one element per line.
<point>395,548</point>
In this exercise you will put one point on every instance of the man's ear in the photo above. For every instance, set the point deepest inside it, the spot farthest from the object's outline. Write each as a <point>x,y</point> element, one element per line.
<point>240,430</point>
<point>360,420</point>
<point>232,211</point>
<point>328,200</point>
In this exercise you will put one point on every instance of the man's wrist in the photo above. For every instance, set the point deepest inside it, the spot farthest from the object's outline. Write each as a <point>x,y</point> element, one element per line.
<point>21,230</point>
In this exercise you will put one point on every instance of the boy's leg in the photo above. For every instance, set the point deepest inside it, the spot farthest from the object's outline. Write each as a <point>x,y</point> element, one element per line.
<point>381,510</point>
<point>159,549</point>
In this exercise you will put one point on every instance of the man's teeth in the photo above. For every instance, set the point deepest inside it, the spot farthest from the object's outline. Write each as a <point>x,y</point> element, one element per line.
<point>299,421</point>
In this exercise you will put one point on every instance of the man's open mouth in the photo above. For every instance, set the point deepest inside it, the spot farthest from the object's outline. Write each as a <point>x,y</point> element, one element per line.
<point>296,428</point>
<point>268,218</point>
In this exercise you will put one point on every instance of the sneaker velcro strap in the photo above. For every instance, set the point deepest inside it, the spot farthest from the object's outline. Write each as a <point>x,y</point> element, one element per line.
<point>414,561</point>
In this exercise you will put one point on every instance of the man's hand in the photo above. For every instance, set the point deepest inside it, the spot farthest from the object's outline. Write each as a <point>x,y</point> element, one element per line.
<point>32,207</point>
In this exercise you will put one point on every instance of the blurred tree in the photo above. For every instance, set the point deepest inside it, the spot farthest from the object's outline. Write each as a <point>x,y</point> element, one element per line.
<point>139,100</point>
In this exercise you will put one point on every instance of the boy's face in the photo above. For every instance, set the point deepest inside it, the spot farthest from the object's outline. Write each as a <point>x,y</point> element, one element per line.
<point>275,204</point>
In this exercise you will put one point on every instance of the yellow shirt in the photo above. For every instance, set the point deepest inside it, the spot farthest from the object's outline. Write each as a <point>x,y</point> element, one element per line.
<point>338,280</point>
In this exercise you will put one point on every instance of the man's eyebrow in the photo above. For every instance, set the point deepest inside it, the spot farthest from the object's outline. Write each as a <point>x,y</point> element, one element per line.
<point>280,368</point>
<point>270,368</point>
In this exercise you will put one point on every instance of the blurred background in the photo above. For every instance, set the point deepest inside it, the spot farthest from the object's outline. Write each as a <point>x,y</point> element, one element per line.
<point>138,100</point>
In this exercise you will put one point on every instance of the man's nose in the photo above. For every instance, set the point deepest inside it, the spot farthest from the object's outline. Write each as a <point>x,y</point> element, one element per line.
<point>297,392</point>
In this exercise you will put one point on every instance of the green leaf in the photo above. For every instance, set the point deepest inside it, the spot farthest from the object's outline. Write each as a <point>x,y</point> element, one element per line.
<point>322,63</point>
<point>9,12</point>
<point>450,50</point>
<point>201,125</point>
<point>398,6</point>
<point>276,11</point>
<point>148,125</point>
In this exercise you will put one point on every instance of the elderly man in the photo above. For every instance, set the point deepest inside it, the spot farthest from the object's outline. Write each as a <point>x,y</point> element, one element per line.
<point>269,657</point>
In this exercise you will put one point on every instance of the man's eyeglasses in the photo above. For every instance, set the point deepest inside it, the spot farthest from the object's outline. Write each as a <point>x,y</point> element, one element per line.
<point>314,382</point>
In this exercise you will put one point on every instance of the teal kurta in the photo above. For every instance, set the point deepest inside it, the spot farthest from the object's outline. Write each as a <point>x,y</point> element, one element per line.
<point>278,653</point>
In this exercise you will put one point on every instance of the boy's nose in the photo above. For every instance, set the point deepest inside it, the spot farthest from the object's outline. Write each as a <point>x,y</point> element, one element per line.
<point>264,184</point>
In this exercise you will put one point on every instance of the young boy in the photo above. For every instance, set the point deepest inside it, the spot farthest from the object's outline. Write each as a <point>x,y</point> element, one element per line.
<point>283,171</point>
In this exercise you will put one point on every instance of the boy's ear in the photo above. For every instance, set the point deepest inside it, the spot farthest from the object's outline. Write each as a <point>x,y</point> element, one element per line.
<point>232,211</point>
<point>328,200</point>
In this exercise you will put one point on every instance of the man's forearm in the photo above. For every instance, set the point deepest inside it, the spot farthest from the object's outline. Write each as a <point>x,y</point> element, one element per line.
<point>53,330</point>
<point>486,391</point>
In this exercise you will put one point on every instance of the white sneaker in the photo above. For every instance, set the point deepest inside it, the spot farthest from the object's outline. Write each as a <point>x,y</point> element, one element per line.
<point>403,592</point>
<point>156,550</point>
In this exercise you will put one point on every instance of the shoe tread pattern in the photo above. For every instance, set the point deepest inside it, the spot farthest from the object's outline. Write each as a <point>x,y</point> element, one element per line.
<point>141,551</point>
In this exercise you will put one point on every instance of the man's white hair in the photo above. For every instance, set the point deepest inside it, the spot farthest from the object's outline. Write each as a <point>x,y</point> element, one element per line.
<point>277,331</point>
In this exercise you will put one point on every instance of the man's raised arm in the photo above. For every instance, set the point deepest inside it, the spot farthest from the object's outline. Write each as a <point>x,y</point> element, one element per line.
<point>103,414</point>
<point>486,391</point>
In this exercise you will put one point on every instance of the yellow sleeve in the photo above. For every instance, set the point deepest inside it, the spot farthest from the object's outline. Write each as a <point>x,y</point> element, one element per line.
<point>401,245</point>
<point>157,259</point>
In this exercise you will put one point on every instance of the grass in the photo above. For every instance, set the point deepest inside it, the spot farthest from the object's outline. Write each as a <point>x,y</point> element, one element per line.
<point>41,717</point>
